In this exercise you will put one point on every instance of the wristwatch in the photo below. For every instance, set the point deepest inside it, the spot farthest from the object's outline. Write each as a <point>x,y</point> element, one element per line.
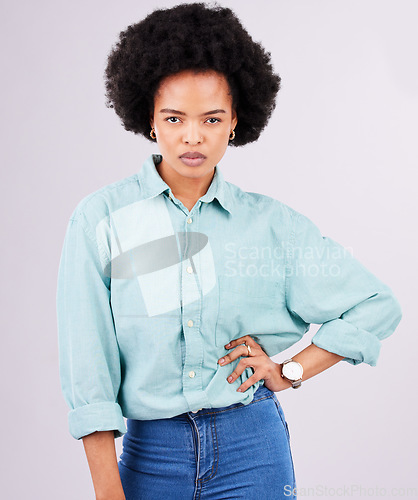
<point>292,371</point>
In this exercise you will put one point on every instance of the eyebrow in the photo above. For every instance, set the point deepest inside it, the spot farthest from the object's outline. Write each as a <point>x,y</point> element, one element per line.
<point>176,112</point>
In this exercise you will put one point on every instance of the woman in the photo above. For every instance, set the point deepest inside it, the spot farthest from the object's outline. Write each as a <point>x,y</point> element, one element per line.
<point>176,287</point>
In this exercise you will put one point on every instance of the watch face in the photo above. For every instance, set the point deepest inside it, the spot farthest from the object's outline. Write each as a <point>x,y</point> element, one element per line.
<point>292,370</point>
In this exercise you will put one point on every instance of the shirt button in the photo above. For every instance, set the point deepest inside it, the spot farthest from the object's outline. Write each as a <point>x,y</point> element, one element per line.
<point>190,323</point>
<point>192,374</point>
<point>189,220</point>
<point>189,269</point>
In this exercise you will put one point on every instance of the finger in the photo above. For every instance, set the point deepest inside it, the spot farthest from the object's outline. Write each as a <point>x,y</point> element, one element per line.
<point>253,362</point>
<point>249,382</point>
<point>240,350</point>
<point>246,338</point>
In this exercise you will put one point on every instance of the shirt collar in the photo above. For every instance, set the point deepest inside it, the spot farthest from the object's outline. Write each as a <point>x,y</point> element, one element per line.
<point>152,184</point>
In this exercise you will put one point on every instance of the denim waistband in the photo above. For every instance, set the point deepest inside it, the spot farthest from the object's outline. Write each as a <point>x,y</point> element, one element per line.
<point>262,392</point>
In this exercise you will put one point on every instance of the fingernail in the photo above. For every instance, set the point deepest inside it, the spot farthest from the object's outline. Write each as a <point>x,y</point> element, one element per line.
<point>230,378</point>
<point>228,345</point>
<point>221,361</point>
<point>239,390</point>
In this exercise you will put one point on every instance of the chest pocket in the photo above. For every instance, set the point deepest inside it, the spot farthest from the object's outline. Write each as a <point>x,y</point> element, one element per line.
<point>247,306</point>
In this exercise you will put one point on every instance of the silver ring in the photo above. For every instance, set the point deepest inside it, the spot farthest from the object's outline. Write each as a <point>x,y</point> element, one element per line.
<point>249,349</point>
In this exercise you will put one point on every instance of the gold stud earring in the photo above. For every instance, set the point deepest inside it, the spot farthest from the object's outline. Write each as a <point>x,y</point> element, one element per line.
<point>152,134</point>
<point>232,135</point>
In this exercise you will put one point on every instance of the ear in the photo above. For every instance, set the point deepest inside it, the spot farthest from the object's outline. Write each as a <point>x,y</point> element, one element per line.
<point>234,120</point>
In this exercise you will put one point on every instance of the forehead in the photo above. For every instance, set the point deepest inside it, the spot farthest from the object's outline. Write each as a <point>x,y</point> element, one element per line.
<point>192,88</point>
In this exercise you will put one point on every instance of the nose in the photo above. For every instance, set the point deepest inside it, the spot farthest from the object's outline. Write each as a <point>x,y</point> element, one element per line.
<point>192,135</point>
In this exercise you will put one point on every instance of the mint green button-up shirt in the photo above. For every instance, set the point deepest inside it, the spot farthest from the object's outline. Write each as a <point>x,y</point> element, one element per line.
<point>149,293</point>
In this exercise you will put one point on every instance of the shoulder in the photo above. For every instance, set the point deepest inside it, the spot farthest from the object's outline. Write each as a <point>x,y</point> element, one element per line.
<point>98,204</point>
<point>262,204</point>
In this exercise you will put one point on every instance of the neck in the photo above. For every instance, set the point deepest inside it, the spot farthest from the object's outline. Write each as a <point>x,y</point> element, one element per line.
<point>187,188</point>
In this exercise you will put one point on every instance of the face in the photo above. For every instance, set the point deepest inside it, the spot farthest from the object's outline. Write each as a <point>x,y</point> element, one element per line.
<point>193,118</point>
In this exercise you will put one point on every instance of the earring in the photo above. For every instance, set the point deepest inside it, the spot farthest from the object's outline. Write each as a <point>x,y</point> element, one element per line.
<point>152,134</point>
<point>232,135</point>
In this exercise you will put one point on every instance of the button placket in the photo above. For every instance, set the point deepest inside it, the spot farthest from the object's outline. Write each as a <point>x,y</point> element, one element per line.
<point>192,374</point>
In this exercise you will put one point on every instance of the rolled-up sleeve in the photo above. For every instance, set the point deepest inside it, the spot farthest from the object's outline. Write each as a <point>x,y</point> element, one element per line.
<point>327,285</point>
<point>89,362</point>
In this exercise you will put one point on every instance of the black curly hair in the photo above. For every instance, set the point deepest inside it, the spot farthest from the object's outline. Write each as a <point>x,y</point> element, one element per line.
<point>197,37</point>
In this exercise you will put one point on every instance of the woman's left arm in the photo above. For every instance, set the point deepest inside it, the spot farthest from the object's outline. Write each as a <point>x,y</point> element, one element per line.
<point>328,286</point>
<point>314,360</point>
<point>325,285</point>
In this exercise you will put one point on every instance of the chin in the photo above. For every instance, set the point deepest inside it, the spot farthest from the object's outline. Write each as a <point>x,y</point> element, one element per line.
<point>197,171</point>
<point>194,173</point>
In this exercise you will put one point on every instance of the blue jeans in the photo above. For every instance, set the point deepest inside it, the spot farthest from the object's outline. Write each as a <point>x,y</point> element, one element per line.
<point>238,451</point>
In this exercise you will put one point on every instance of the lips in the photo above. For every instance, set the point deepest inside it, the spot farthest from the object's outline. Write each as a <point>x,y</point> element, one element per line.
<point>193,154</point>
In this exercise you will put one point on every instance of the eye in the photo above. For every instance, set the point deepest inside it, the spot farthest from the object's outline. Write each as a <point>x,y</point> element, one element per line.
<point>216,120</point>
<point>172,118</point>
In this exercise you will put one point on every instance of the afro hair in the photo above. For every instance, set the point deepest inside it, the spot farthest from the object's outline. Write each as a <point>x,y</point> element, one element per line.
<point>190,37</point>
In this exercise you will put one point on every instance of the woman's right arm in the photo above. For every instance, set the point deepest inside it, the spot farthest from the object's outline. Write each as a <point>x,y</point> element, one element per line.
<point>101,456</point>
<point>89,359</point>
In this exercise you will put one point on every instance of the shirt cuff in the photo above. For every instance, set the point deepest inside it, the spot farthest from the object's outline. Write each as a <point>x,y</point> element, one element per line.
<point>104,416</point>
<point>343,338</point>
